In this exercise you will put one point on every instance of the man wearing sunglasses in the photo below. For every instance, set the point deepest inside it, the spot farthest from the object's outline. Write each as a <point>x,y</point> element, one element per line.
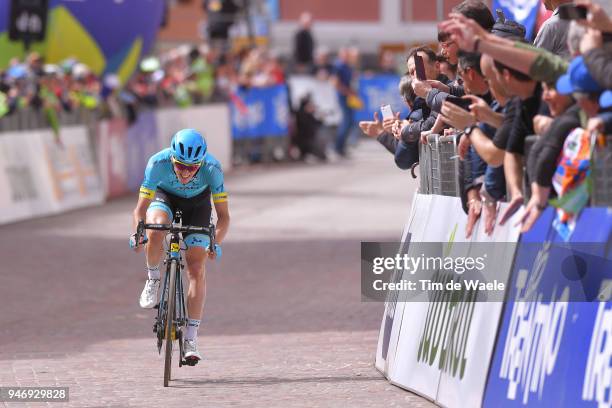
<point>182,177</point>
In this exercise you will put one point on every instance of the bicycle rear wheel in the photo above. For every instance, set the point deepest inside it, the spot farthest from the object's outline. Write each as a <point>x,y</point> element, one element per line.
<point>170,329</point>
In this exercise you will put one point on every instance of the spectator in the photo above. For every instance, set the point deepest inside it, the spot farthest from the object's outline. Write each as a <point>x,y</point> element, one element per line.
<point>405,155</point>
<point>387,63</point>
<point>307,127</point>
<point>411,132</point>
<point>553,33</point>
<point>343,77</point>
<point>543,158</point>
<point>446,68</point>
<point>322,68</point>
<point>304,44</point>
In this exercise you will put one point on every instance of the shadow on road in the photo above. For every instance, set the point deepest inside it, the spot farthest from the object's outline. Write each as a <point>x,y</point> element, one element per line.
<point>271,381</point>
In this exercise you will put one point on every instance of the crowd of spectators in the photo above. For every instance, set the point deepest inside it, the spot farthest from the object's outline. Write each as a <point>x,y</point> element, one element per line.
<point>179,77</point>
<point>491,90</point>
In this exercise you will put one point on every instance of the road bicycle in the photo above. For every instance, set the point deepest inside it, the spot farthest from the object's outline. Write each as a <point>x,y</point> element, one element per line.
<point>172,307</point>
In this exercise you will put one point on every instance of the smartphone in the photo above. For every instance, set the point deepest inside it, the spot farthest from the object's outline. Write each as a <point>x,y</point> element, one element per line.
<point>387,112</point>
<point>571,11</point>
<point>419,68</point>
<point>460,102</point>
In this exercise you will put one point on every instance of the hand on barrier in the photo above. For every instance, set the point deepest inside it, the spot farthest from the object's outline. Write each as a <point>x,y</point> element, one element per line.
<point>464,146</point>
<point>424,136</point>
<point>530,215</point>
<point>489,210</point>
<point>474,209</point>
<point>513,206</point>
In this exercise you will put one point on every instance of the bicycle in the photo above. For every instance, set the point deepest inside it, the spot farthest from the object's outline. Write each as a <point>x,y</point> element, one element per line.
<point>172,289</point>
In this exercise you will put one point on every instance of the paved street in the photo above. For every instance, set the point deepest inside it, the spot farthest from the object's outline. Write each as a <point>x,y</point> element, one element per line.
<point>284,325</point>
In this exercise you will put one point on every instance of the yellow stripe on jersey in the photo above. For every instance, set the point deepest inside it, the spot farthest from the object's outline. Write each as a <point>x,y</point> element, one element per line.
<point>147,193</point>
<point>219,197</point>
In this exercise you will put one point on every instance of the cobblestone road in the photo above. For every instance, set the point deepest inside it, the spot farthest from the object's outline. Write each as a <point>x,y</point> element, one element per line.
<point>283,326</point>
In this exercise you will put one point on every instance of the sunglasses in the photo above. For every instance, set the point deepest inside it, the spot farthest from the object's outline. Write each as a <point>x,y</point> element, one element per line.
<point>180,166</point>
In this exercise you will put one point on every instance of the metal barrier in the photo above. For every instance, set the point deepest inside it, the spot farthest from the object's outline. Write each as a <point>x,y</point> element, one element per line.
<point>30,118</point>
<point>439,166</point>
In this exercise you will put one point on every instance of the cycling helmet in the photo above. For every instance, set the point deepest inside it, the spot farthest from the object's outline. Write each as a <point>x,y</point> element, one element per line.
<point>188,146</point>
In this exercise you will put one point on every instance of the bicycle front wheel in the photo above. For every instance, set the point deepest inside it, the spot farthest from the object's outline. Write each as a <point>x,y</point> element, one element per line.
<point>170,329</point>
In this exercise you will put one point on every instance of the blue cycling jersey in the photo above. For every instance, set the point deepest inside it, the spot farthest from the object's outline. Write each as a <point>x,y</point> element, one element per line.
<point>160,173</point>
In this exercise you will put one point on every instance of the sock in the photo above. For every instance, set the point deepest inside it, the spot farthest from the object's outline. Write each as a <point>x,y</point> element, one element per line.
<point>192,329</point>
<point>153,271</point>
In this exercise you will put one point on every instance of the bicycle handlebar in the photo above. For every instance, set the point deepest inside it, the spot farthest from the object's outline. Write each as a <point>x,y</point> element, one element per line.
<point>140,230</point>
<point>170,228</point>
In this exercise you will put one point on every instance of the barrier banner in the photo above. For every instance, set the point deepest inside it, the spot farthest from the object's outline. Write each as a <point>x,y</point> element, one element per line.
<point>445,343</point>
<point>323,96</point>
<point>260,112</point>
<point>212,120</point>
<point>112,156</point>
<point>71,169</point>
<point>391,321</point>
<point>376,91</point>
<point>22,178</point>
<point>141,143</point>
<point>555,343</point>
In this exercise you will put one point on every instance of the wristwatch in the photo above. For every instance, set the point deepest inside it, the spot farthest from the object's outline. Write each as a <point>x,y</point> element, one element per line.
<point>468,130</point>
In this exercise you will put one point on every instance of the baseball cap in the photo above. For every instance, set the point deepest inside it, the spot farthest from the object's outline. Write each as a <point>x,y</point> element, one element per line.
<point>577,79</point>
<point>605,100</point>
<point>508,29</point>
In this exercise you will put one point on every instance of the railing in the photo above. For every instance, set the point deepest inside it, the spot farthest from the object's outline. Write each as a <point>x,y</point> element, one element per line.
<point>30,118</point>
<point>439,166</point>
<point>439,169</point>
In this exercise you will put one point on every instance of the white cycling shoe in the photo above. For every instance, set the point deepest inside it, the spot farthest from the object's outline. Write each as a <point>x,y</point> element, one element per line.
<point>148,297</point>
<point>192,355</point>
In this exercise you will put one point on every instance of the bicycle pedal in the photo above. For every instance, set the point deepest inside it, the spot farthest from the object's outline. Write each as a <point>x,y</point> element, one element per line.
<point>156,306</point>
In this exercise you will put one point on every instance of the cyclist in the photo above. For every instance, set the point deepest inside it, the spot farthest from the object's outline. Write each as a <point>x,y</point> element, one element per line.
<point>182,177</point>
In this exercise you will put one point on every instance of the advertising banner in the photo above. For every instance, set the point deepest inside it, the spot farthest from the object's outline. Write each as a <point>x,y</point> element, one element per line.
<point>212,120</point>
<point>376,91</point>
<point>391,322</point>
<point>554,346</point>
<point>71,169</point>
<point>260,112</point>
<point>141,143</point>
<point>22,178</point>
<point>445,342</point>
<point>112,156</point>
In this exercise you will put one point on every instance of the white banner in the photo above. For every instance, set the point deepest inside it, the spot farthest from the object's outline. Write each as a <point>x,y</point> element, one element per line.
<point>213,120</point>
<point>71,169</point>
<point>43,177</point>
<point>323,96</point>
<point>22,178</point>
<point>444,348</point>
<point>392,318</point>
